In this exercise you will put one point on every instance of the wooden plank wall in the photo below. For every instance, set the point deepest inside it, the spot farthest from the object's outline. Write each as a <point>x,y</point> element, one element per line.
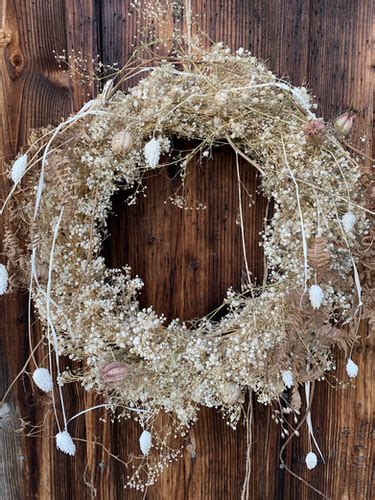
<point>187,259</point>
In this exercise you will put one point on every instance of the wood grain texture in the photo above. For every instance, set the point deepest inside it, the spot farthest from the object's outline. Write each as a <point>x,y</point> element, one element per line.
<point>30,85</point>
<point>187,258</point>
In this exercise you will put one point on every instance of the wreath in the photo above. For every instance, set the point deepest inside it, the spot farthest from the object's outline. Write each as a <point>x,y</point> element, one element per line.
<point>274,337</point>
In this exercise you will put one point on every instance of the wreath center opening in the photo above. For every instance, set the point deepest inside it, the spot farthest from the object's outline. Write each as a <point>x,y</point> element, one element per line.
<point>189,256</point>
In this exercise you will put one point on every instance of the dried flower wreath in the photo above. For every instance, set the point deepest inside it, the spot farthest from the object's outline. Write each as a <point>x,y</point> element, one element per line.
<point>276,336</point>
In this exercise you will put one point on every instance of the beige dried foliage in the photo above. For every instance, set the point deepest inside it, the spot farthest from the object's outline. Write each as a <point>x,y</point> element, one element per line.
<point>318,254</point>
<point>294,320</point>
<point>57,170</point>
<point>295,400</point>
<point>331,335</point>
<point>11,244</point>
<point>15,246</point>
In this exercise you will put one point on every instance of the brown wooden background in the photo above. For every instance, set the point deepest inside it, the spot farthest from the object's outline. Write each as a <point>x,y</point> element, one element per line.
<point>187,259</point>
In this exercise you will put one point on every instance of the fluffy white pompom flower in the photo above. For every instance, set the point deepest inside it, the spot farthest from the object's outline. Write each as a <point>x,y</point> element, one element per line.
<point>145,442</point>
<point>311,460</point>
<point>316,296</point>
<point>348,222</point>
<point>3,279</point>
<point>351,368</point>
<point>18,168</point>
<point>287,376</point>
<point>43,379</point>
<point>64,443</point>
<point>152,153</point>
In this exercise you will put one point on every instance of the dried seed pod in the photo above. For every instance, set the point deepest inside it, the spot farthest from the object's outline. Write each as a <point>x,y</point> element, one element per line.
<point>314,130</point>
<point>344,123</point>
<point>122,142</point>
<point>115,373</point>
<point>231,393</point>
<point>318,254</point>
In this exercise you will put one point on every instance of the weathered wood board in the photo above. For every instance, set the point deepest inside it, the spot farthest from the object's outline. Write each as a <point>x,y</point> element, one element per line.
<point>187,259</point>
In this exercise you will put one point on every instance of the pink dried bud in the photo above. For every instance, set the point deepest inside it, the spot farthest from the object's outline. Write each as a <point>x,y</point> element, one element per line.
<point>344,123</point>
<point>314,130</point>
<point>115,373</point>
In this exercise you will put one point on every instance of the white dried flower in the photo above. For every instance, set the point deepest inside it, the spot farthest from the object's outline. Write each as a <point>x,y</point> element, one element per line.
<point>302,97</point>
<point>3,279</point>
<point>316,296</point>
<point>348,222</point>
<point>311,460</point>
<point>18,168</point>
<point>351,368</point>
<point>145,442</point>
<point>152,153</point>
<point>43,379</point>
<point>64,443</point>
<point>288,379</point>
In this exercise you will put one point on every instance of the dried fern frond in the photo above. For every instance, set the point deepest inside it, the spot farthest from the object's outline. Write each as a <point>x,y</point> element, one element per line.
<point>318,255</point>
